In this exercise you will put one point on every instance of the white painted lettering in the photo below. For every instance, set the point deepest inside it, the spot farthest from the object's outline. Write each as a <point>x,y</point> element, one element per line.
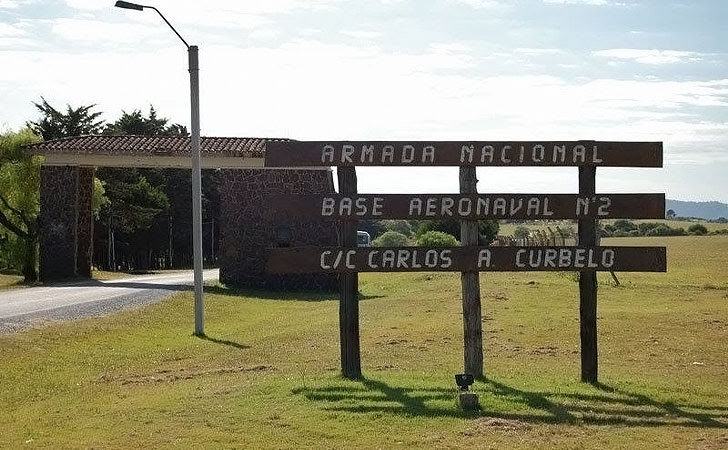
<point>603,210</point>
<point>346,152</point>
<point>484,258</point>
<point>377,206</point>
<point>327,206</point>
<point>408,154</point>
<point>466,154</point>
<point>519,254</point>
<point>428,154</point>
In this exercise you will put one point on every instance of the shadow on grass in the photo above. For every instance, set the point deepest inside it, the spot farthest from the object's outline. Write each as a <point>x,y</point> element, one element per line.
<point>606,406</point>
<point>275,295</point>
<point>233,344</point>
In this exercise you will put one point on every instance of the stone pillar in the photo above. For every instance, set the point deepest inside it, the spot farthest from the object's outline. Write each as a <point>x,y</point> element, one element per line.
<point>246,230</point>
<point>85,224</point>
<point>66,222</point>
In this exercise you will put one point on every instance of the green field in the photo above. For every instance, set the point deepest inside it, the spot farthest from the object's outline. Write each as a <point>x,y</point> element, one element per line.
<point>267,375</point>
<point>507,229</point>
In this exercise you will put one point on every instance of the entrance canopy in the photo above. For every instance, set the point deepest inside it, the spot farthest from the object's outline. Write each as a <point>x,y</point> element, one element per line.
<point>151,151</point>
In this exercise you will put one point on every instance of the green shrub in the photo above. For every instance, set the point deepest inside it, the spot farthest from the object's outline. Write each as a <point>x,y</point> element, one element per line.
<point>521,232</point>
<point>437,239</point>
<point>487,229</point>
<point>698,229</point>
<point>391,239</point>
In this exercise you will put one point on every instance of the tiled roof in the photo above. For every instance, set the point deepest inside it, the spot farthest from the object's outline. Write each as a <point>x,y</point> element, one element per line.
<point>150,145</point>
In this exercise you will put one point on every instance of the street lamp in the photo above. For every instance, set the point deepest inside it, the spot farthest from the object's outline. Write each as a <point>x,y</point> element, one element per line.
<point>194,70</point>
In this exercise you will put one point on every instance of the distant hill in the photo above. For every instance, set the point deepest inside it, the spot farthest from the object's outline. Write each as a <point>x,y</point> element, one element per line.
<point>703,210</point>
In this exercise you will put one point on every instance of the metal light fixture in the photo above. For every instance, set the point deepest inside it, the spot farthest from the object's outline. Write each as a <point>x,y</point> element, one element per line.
<point>194,69</point>
<point>464,380</point>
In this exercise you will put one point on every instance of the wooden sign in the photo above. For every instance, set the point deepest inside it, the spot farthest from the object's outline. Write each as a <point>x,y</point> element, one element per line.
<point>470,207</point>
<point>462,153</point>
<point>465,259</point>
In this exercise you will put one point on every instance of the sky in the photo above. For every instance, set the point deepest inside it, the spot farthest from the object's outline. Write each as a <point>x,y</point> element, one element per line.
<point>623,70</point>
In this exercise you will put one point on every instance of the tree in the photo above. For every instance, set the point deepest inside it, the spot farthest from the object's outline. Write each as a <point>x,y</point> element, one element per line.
<point>19,202</point>
<point>400,226</point>
<point>136,123</point>
<point>75,122</point>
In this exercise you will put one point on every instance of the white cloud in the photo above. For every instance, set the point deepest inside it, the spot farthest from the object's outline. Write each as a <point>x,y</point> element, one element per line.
<point>104,32</point>
<point>90,4</point>
<point>538,51</point>
<point>483,4</point>
<point>361,34</point>
<point>12,4</point>
<point>579,2</point>
<point>653,56</point>
<point>189,9</point>
<point>12,30</point>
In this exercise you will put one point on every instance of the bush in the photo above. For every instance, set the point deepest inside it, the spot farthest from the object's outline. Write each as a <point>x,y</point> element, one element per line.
<point>698,229</point>
<point>391,239</point>
<point>624,225</point>
<point>521,232</point>
<point>487,229</point>
<point>664,230</point>
<point>437,239</point>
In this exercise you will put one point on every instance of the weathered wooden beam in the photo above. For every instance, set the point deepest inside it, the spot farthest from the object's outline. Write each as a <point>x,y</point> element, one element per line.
<point>588,286</point>
<point>462,153</point>
<point>468,206</point>
<point>465,259</point>
<point>349,289</point>
<point>470,281</point>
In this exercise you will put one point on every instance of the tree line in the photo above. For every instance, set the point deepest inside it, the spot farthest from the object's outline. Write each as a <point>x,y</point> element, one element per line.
<point>142,216</point>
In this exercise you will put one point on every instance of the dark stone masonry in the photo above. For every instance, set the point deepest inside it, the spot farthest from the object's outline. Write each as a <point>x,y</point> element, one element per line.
<point>247,230</point>
<point>66,221</point>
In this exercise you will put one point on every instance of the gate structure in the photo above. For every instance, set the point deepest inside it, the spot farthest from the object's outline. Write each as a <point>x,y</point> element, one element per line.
<point>348,206</point>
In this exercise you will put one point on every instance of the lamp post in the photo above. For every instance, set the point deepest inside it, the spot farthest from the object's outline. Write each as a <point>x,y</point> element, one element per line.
<point>194,70</point>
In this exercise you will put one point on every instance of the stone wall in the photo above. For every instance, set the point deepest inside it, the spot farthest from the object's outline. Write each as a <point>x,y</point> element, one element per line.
<point>66,222</point>
<point>246,229</point>
<point>85,223</point>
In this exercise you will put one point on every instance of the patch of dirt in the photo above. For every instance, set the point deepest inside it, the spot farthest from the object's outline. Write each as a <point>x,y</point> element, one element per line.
<point>713,443</point>
<point>385,367</point>
<point>549,350</point>
<point>169,376</point>
<point>488,424</point>
<point>497,296</point>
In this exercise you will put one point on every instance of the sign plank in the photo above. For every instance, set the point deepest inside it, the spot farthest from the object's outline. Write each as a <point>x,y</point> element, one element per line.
<point>459,259</point>
<point>462,153</point>
<point>468,206</point>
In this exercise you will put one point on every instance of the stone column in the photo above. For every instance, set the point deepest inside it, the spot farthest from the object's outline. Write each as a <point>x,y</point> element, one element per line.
<point>246,230</point>
<point>66,222</point>
<point>85,224</point>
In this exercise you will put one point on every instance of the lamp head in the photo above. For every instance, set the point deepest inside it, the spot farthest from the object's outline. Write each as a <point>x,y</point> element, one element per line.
<point>128,5</point>
<point>464,380</point>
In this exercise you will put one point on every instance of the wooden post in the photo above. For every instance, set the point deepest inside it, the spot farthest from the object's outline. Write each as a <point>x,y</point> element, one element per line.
<point>472,323</point>
<point>588,284</point>
<point>349,288</point>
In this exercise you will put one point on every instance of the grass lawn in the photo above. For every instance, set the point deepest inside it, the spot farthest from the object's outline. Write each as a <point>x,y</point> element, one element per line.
<point>9,280</point>
<point>507,229</point>
<point>267,374</point>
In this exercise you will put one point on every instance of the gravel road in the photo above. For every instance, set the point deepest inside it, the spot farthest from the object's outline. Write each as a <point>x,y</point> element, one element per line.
<point>31,307</point>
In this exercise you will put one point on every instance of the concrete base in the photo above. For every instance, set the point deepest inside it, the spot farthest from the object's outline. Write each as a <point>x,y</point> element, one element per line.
<point>469,401</point>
